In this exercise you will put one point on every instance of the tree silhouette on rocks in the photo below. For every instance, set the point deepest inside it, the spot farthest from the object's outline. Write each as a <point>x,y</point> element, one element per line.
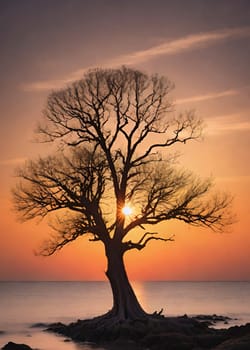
<point>115,129</point>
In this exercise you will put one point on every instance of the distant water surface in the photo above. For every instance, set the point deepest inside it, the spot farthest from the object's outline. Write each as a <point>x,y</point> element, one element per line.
<point>25,303</point>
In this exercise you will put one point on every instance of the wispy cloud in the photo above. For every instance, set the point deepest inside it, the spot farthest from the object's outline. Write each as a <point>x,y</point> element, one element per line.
<point>168,47</point>
<point>228,123</point>
<point>189,42</point>
<point>209,96</point>
<point>43,85</point>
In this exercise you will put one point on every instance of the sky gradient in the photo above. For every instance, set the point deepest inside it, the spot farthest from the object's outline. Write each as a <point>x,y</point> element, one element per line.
<point>203,47</point>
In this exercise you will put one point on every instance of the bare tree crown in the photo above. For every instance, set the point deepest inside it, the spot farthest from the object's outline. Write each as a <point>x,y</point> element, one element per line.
<point>114,123</point>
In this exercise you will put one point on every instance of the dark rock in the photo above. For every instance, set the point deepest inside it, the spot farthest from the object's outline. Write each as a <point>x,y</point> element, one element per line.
<point>211,320</point>
<point>40,325</point>
<point>172,333</point>
<point>15,346</point>
<point>239,331</point>
<point>171,341</point>
<point>67,340</point>
<point>59,328</point>
<point>241,343</point>
<point>209,341</point>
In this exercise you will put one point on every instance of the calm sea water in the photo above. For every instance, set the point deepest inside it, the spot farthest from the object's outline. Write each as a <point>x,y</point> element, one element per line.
<point>25,303</point>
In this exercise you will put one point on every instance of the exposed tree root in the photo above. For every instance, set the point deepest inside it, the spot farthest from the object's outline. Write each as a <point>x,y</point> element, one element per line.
<point>109,327</point>
<point>105,327</point>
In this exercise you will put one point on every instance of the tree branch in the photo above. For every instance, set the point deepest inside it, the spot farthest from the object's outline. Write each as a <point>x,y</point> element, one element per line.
<point>113,124</point>
<point>142,243</point>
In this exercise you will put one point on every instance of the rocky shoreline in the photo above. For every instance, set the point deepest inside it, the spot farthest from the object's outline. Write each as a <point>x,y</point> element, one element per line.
<point>162,333</point>
<point>172,333</point>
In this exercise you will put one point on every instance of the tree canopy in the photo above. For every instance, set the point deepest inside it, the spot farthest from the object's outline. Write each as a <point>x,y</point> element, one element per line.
<point>116,129</point>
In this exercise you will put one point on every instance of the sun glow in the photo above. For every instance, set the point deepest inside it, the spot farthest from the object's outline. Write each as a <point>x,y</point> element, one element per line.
<point>127,210</point>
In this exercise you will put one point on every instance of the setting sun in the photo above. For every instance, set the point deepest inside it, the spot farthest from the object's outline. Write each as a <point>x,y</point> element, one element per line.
<point>127,210</point>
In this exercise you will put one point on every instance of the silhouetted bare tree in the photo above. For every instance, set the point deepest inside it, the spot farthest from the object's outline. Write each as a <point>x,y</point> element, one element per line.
<point>113,124</point>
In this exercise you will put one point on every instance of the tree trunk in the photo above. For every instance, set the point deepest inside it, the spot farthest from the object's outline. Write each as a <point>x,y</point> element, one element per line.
<point>125,303</point>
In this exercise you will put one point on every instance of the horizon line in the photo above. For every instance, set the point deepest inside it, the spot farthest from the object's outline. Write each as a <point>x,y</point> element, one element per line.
<point>132,280</point>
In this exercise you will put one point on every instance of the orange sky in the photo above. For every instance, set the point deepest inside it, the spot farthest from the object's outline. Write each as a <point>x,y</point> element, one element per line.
<point>203,47</point>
